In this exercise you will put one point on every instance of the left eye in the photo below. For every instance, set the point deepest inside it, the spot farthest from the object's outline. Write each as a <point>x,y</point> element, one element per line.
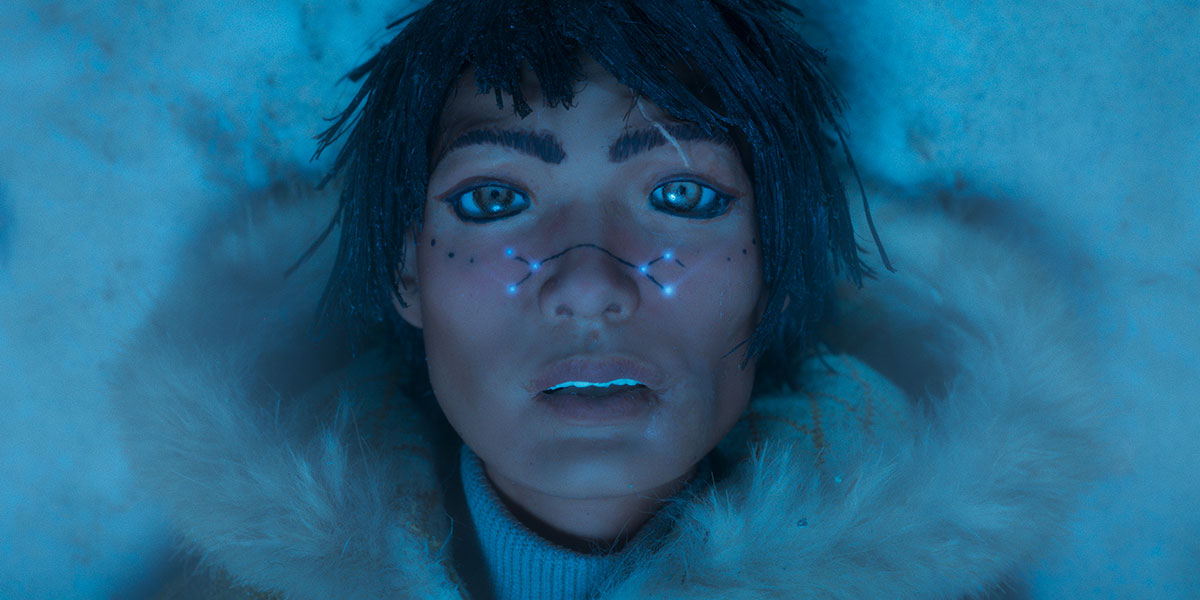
<point>689,199</point>
<point>488,202</point>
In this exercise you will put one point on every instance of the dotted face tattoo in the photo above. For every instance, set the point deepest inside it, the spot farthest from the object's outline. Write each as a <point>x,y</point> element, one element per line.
<point>533,266</point>
<point>644,269</point>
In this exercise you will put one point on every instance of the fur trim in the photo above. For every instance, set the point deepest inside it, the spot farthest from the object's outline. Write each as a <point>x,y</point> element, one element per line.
<point>285,493</point>
<point>278,490</point>
<point>989,477</point>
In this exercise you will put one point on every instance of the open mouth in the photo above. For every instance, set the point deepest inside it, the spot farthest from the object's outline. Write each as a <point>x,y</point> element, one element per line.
<point>599,389</point>
<point>598,403</point>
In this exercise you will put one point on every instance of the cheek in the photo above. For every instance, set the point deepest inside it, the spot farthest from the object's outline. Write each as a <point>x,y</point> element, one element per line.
<point>466,308</point>
<point>484,271</point>
<point>719,285</point>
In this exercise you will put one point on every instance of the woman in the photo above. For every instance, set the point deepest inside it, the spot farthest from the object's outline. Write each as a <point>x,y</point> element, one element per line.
<point>586,268</point>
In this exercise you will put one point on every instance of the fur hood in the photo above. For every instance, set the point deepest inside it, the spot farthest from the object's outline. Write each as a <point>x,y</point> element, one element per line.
<point>270,477</point>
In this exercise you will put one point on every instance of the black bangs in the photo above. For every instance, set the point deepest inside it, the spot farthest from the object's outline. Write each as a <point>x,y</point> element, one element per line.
<point>733,67</point>
<point>526,34</point>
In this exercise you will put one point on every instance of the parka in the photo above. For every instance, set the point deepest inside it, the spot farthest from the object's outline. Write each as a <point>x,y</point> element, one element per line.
<point>938,442</point>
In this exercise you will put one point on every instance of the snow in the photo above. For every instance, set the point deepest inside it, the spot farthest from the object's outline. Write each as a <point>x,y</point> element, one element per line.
<point>1083,120</point>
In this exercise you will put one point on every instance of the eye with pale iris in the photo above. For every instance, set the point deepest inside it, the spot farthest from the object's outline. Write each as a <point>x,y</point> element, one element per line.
<point>488,202</point>
<point>689,199</point>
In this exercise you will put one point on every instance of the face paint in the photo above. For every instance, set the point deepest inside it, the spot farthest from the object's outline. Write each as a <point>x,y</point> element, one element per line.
<point>644,269</point>
<point>607,262</point>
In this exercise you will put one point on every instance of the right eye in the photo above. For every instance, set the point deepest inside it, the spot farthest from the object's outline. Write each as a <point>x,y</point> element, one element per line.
<point>689,199</point>
<point>488,202</point>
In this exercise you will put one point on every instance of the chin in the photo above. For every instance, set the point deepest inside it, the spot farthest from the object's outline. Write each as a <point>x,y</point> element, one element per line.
<point>606,474</point>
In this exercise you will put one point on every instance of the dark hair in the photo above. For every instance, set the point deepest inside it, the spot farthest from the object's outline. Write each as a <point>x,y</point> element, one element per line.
<point>740,68</point>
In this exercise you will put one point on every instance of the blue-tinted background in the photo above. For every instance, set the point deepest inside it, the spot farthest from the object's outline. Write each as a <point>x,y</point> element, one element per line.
<point>125,125</point>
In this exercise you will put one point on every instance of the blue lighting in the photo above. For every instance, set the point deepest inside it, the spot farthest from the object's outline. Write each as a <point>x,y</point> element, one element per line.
<point>508,251</point>
<point>644,268</point>
<point>668,290</point>
<point>668,255</point>
<point>535,265</point>
<point>512,289</point>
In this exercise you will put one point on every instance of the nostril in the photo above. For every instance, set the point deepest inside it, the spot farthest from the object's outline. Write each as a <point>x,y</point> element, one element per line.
<point>587,285</point>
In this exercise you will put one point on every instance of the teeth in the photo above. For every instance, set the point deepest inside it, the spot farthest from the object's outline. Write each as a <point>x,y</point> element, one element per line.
<point>588,384</point>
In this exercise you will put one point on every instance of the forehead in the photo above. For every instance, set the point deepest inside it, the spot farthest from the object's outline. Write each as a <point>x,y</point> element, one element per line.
<point>599,94</point>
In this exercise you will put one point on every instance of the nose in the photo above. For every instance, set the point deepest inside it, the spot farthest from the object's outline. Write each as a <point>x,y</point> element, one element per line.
<point>588,282</point>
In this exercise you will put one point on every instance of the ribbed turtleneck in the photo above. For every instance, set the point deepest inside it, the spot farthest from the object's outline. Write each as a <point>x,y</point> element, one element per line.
<point>524,566</point>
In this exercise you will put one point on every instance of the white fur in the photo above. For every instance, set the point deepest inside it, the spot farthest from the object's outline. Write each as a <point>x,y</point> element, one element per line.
<point>281,492</point>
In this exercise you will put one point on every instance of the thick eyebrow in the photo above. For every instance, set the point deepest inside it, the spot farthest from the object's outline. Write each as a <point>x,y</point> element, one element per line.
<point>640,140</point>
<point>539,145</point>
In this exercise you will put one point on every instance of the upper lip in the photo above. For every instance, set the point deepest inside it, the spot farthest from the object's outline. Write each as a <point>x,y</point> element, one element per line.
<point>596,370</point>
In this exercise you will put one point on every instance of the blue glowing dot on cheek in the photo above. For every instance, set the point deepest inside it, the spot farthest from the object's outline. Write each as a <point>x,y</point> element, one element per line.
<point>644,269</point>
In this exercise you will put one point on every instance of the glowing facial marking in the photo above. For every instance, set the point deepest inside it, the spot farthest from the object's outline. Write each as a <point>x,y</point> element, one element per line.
<point>533,266</point>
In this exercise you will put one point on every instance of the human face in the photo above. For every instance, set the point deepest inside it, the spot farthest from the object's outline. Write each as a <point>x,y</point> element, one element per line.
<point>555,248</point>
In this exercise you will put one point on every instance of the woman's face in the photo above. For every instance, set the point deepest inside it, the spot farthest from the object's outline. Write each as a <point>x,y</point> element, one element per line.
<point>602,244</point>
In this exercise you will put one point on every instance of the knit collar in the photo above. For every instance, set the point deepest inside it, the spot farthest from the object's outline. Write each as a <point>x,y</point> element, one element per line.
<point>521,564</point>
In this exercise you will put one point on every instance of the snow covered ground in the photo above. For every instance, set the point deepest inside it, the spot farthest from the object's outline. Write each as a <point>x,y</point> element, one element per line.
<point>128,124</point>
<point>1084,120</point>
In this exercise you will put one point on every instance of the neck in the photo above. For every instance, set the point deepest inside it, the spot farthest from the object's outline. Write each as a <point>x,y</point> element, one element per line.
<point>584,524</point>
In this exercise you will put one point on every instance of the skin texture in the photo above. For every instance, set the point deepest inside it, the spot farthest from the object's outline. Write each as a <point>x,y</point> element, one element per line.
<point>487,339</point>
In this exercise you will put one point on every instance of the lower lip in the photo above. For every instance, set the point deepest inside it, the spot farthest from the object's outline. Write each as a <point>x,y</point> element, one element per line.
<point>596,410</point>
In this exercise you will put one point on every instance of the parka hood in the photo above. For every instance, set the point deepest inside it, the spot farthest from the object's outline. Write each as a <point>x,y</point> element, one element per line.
<point>298,469</point>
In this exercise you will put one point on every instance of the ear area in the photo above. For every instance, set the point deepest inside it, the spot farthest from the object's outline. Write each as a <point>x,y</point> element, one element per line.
<point>409,284</point>
<point>760,308</point>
